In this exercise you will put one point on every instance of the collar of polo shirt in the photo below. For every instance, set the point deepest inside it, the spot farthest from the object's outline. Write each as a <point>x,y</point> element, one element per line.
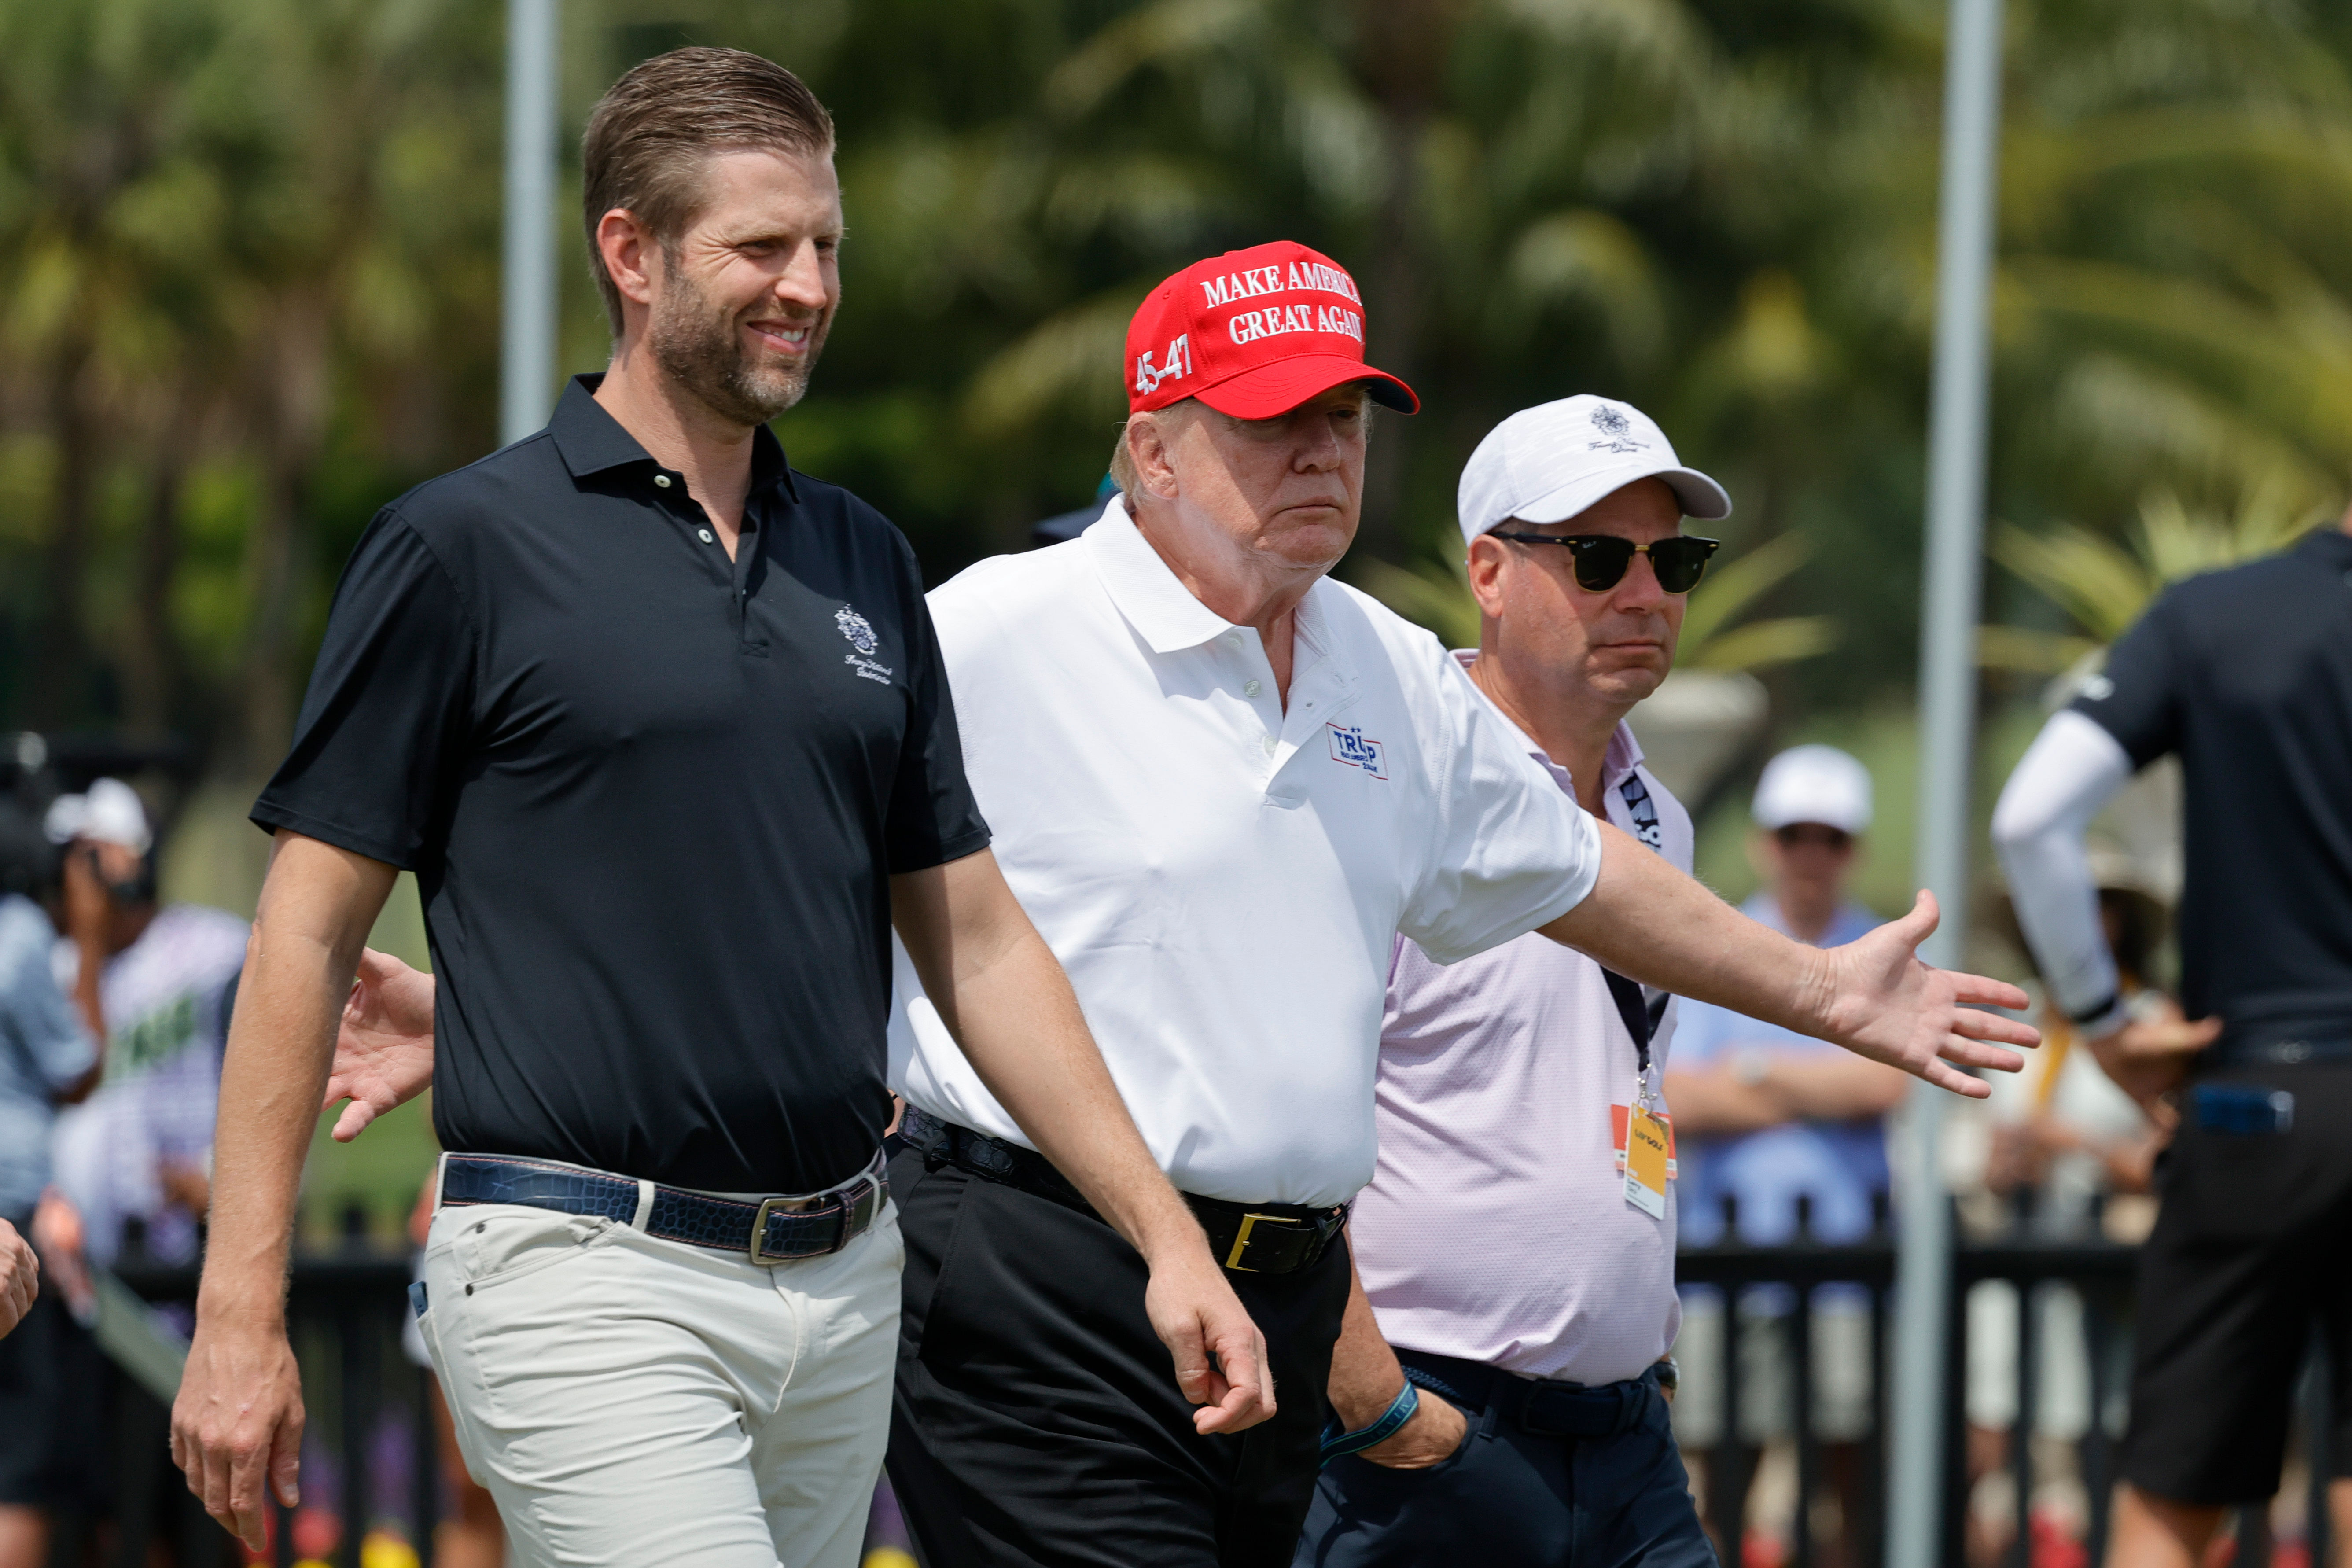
<point>1152,597</point>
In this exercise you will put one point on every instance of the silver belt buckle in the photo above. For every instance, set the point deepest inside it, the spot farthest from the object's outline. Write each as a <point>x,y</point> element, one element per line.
<point>759,1254</point>
<point>857,1207</point>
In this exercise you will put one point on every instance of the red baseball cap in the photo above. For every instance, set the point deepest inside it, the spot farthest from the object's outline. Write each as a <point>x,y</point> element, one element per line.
<point>1254,333</point>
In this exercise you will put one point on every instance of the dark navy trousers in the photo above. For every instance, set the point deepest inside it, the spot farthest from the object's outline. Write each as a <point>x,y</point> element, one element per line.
<point>1512,1495</point>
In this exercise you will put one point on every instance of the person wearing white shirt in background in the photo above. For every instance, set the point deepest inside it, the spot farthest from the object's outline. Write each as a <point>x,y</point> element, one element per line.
<point>1771,1120</point>
<point>1221,785</point>
<point>138,1149</point>
<point>1527,1296</point>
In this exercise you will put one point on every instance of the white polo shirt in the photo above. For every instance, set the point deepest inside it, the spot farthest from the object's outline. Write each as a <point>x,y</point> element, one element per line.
<point>1223,880</point>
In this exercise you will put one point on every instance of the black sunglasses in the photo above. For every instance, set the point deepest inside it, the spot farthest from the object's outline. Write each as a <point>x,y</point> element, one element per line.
<point>1603,559</point>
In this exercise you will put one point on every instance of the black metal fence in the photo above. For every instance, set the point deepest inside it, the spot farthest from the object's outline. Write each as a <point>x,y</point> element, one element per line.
<point>371,1462</point>
<point>371,1477</point>
<point>2097,1271</point>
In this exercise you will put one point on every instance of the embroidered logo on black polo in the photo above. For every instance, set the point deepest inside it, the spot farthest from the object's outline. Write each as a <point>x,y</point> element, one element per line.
<point>1350,747</point>
<point>861,635</point>
<point>856,628</point>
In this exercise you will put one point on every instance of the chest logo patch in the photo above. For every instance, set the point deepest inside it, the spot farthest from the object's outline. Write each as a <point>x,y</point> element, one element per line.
<point>856,628</point>
<point>1350,747</point>
<point>861,635</point>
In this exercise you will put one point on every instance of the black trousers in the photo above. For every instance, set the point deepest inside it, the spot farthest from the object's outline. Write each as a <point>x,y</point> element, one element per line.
<point>2248,1256</point>
<point>1514,1494</point>
<point>1037,1421</point>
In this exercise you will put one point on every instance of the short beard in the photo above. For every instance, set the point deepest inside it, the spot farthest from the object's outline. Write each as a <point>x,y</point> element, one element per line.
<point>697,343</point>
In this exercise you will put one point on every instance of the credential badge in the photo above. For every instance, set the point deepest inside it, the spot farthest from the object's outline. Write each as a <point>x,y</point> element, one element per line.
<point>858,629</point>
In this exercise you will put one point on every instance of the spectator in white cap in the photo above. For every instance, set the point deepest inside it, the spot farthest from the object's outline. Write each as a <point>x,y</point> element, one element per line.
<point>1507,1269</point>
<point>1771,1122</point>
<point>157,989</point>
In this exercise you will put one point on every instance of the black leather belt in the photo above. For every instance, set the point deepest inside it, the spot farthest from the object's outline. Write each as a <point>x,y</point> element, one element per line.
<point>2331,1047</point>
<point>772,1230</point>
<point>1551,1409</point>
<point>1248,1238</point>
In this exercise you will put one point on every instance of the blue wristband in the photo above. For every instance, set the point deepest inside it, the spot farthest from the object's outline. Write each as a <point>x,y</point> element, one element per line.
<point>1391,1421</point>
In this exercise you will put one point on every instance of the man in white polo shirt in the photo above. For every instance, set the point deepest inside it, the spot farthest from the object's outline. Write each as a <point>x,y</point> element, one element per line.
<point>1221,785</point>
<point>1529,1295</point>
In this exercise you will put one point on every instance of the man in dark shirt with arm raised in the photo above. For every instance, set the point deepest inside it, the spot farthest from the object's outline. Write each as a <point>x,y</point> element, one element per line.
<point>662,730</point>
<point>2246,676</point>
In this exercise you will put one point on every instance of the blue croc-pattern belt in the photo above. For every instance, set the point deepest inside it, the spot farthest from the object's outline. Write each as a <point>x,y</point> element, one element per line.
<point>768,1230</point>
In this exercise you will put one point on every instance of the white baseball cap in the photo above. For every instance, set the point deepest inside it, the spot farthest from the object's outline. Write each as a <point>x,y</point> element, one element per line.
<point>110,813</point>
<point>1547,463</point>
<point>1813,783</point>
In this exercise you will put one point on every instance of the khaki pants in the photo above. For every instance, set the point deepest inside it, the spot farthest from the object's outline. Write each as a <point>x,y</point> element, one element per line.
<point>637,1401</point>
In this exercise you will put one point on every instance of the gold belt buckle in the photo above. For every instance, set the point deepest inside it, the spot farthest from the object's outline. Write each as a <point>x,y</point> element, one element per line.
<point>1241,1238</point>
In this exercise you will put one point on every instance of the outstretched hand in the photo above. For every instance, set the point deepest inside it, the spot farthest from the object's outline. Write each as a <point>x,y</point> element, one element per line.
<point>1220,1355</point>
<point>383,1050</point>
<point>1879,1001</point>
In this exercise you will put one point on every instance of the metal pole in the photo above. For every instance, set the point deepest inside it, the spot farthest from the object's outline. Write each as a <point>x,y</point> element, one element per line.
<point>526,291</point>
<point>1955,469</point>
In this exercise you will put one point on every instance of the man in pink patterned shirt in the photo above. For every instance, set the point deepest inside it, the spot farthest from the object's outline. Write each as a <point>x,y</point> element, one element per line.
<point>1509,1272</point>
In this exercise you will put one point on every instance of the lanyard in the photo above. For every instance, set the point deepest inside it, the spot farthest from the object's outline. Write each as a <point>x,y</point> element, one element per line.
<point>1641,1014</point>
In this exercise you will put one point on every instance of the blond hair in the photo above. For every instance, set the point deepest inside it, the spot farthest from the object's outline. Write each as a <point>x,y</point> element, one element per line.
<point>1122,458</point>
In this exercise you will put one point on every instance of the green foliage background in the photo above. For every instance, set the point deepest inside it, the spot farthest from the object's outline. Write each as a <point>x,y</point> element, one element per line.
<point>249,277</point>
<point>249,271</point>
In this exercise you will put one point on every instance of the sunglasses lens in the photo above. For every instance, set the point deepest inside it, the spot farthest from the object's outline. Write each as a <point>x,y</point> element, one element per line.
<point>1601,562</point>
<point>1680,562</point>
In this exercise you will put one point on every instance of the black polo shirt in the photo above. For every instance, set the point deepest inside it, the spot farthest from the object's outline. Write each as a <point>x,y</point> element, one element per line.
<point>651,798</point>
<point>2247,674</point>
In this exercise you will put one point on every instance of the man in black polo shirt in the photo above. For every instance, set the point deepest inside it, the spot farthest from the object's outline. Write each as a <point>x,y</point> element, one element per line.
<point>662,729</point>
<point>2245,675</point>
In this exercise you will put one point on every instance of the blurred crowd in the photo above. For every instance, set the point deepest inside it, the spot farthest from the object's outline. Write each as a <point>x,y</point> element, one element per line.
<point>1783,1140</point>
<point>113,1009</point>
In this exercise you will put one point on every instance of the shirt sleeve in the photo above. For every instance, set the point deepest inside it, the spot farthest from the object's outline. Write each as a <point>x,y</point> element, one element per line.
<point>2136,698</point>
<point>385,728</point>
<point>2073,768</point>
<point>1511,849</point>
<point>34,1008</point>
<point>933,816</point>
